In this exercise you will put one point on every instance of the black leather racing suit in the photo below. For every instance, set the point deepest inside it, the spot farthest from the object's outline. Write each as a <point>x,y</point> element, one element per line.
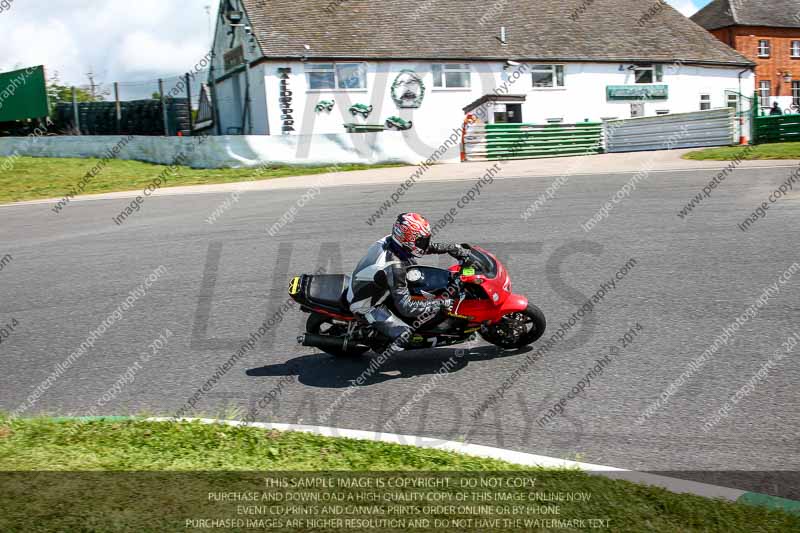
<point>381,275</point>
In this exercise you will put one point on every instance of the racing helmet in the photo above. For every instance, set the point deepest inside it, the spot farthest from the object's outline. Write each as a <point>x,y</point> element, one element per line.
<point>412,232</point>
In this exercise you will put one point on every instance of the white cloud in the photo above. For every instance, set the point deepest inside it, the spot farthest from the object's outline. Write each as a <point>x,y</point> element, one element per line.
<point>120,40</point>
<point>142,52</point>
<point>23,46</point>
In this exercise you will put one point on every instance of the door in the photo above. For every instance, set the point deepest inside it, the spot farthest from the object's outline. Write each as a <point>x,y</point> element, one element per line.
<point>514,113</point>
<point>508,114</point>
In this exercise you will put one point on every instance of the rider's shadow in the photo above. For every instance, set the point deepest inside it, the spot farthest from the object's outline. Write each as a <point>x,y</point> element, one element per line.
<point>327,371</point>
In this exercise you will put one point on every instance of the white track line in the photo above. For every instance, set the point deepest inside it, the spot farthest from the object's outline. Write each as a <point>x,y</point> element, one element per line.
<point>679,486</point>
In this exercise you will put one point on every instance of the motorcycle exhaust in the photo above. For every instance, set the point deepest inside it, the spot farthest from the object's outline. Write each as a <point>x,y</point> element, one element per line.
<point>339,344</point>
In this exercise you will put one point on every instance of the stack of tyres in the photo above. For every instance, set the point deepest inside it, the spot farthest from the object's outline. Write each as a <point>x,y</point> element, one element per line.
<point>62,117</point>
<point>137,117</point>
<point>179,116</point>
<point>154,120</point>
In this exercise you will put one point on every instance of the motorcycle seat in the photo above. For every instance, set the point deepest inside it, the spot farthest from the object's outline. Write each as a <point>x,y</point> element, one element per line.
<point>329,290</point>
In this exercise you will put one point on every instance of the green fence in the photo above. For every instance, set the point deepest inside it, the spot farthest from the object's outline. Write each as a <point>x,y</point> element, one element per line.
<point>776,129</point>
<point>23,94</point>
<point>527,141</point>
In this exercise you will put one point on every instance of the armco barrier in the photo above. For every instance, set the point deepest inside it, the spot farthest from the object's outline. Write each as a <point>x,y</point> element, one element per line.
<point>777,129</point>
<point>524,141</point>
<point>714,127</point>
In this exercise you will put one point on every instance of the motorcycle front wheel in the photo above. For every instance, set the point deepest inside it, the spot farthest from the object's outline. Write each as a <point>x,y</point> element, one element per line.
<point>517,330</point>
<point>322,325</point>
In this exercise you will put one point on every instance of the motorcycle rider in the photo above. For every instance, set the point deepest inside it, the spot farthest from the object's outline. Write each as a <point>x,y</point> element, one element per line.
<point>381,275</point>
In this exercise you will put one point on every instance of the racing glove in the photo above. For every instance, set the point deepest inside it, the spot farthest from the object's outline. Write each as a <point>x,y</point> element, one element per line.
<point>446,308</point>
<point>460,253</point>
<point>455,250</point>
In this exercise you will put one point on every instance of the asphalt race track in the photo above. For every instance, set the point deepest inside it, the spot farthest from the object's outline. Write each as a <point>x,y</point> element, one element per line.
<point>692,278</point>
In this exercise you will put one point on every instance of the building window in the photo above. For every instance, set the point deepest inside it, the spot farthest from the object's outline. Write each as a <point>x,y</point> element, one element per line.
<point>733,101</point>
<point>763,48</point>
<point>705,102</point>
<point>796,49</point>
<point>648,73</point>
<point>451,76</point>
<point>764,93</point>
<point>331,76</point>
<point>548,76</point>
<point>796,93</point>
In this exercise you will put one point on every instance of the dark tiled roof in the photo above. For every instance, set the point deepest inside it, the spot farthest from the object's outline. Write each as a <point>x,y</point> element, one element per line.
<point>774,13</point>
<point>557,30</point>
<point>506,98</point>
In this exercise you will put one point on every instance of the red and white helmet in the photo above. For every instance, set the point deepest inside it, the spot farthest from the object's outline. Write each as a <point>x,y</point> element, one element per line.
<point>413,233</point>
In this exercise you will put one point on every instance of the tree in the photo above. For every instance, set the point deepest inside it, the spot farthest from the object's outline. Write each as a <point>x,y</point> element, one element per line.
<point>95,89</point>
<point>59,93</point>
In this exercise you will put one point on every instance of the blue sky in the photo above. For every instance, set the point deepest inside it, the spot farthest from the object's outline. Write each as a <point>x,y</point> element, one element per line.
<point>157,38</point>
<point>688,7</point>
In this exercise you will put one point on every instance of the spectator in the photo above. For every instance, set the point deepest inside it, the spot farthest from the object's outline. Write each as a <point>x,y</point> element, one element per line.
<point>775,110</point>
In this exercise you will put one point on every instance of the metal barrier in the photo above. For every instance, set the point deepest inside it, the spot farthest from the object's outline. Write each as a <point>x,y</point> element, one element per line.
<point>527,141</point>
<point>714,127</point>
<point>776,129</point>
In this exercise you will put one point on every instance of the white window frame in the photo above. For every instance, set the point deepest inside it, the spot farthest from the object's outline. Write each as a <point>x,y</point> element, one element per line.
<point>705,100</point>
<point>794,49</point>
<point>764,48</point>
<point>764,100</point>
<point>317,67</point>
<point>461,68</point>
<point>553,69</point>
<point>657,73</point>
<point>796,92</point>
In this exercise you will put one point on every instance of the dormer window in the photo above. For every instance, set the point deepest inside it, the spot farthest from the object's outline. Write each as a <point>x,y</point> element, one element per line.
<point>648,73</point>
<point>233,15</point>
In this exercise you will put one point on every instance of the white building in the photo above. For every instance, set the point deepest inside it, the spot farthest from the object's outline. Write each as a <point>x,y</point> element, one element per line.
<point>299,67</point>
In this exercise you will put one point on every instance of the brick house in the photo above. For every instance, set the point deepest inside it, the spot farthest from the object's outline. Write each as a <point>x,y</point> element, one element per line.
<point>766,32</point>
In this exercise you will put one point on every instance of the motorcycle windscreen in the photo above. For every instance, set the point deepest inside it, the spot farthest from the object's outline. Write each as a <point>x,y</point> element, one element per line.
<point>483,263</point>
<point>428,279</point>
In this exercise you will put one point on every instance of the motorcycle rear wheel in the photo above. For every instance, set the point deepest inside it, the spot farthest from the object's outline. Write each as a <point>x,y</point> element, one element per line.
<point>517,330</point>
<point>322,325</point>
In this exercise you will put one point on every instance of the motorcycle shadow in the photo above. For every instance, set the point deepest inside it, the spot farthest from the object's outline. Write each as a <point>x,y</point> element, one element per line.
<point>326,371</point>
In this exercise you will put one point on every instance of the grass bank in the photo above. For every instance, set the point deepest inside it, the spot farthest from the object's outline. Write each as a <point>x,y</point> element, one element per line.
<point>146,476</point>
<point>747,153</point>
<point>34,178</point>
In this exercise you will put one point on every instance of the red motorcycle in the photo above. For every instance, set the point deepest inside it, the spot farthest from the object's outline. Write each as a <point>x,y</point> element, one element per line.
<point>484,304</point>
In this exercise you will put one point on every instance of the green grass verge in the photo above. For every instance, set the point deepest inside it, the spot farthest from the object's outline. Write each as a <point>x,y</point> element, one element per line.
<point>34,178</point>
<point>761,151</point>
<point>189,460</point>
